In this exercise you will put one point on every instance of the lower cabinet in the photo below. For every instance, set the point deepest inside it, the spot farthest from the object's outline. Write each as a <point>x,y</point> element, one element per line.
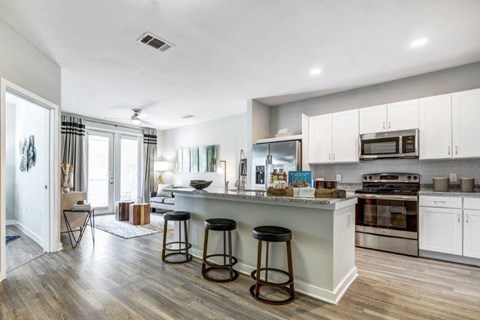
<point>441,230</point>
<point>471,232</point>
<point>450,230</point>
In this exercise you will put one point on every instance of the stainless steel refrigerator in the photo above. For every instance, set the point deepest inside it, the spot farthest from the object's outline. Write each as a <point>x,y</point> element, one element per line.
<point>285,154</point>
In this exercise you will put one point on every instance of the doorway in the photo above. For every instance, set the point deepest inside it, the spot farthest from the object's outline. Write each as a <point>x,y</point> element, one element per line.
<point>29,179</point>
<point>113,168</point>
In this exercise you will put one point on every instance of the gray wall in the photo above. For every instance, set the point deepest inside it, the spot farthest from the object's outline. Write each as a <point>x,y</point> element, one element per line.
<point>445,81</point>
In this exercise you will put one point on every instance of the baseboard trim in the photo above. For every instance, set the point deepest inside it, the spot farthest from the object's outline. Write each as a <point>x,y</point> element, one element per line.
<point>10,222</point>
<point>29,233</point>
<point>449,257</point>
<point>316,292</point>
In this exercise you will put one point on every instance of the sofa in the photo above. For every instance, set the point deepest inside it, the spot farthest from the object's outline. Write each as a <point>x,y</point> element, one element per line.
<point>162,200</point>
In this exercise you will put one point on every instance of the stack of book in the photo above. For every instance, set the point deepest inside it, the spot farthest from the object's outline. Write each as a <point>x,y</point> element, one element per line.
<point>82,207</point>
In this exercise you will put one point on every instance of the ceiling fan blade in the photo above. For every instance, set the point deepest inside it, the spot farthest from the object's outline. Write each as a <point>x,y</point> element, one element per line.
<point>147,122</point>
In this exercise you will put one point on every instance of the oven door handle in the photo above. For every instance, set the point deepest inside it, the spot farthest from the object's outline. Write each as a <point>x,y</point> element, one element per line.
<point>387,197</point>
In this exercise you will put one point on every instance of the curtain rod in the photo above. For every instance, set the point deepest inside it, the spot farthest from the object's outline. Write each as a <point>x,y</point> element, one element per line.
<point>112,123</point>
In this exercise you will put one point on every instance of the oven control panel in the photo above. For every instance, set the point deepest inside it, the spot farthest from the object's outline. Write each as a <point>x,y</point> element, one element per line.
<point>391,177</point>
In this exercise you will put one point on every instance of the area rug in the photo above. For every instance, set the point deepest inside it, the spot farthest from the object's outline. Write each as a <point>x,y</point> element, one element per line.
<point>126,230</point>
<point>11,238</point>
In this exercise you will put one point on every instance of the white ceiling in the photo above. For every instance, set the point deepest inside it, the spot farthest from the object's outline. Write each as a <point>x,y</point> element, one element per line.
<point>227,51</point>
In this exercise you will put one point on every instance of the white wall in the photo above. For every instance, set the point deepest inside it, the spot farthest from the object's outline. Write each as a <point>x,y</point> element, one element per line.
<point>30,193</point>
<point>10,153</point>
<point>26,66</point>
<point>228,133</point>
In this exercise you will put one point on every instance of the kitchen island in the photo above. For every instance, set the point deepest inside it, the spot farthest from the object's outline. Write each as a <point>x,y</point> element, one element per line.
<point>323,230</point>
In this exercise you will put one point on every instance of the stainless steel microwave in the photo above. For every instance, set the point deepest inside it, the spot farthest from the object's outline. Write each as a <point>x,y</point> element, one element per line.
<point>392,144</point>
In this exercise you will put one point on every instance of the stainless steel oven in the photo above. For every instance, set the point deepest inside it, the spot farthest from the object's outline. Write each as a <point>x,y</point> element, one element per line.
<point>393,144</point>
<point>387,213</point>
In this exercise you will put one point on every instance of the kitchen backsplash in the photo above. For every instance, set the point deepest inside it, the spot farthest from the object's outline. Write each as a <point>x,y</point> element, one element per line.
<point>352,172</point>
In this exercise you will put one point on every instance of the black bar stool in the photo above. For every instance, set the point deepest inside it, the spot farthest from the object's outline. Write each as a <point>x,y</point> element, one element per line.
<point>272,234</point>
<point>183,246</point>
<point>225,225</point>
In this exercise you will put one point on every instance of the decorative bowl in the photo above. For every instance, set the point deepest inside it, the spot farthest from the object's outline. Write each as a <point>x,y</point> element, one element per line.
<point>200,184</point>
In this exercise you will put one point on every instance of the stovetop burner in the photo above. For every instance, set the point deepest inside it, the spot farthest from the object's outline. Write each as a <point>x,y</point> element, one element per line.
<point>390,184</point>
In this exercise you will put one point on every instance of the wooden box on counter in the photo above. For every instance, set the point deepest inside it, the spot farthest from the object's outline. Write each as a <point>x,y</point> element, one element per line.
<point>319,193</point>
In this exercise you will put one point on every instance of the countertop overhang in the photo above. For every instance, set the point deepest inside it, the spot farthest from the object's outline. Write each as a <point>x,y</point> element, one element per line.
<point>261,197</point>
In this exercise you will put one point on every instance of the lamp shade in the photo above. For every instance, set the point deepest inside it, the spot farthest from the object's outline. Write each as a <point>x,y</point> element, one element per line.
<point>160,166</point>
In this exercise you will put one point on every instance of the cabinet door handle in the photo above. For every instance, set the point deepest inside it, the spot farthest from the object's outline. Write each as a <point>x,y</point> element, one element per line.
<point>448,150</point>
<point>456,149</point>
<point>466,218</point>
<point>383,124</point>
<point>437,202</point>
<point>334,156</point>
<point>389,124</point>
<point>458,218</point>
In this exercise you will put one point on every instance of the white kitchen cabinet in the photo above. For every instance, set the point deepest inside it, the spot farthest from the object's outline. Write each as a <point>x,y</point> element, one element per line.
<point>471,233</point>
<point>471,227</point>
<point>466,124</point>
<point>320,139</point>
<point>373,119</point>
<point>345,136</point>
<point>333,137</point>
<point>402,115</point>
<point>435,124</point>
<point>441,230</point>
<point>392,117</point>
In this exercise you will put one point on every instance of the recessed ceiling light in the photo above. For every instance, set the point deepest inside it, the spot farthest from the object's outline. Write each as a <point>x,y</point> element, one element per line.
<point>188,116</point>
<point>315,71</point>
<point>418,42</point>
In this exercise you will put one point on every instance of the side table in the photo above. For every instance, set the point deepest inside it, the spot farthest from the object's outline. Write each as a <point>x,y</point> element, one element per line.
<point>89,217</point>
<point>123,210</point>
<point>140,213</point>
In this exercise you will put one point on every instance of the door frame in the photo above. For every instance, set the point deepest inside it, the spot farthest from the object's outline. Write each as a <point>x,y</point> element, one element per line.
<point>51,236</point>
<point>119,133</point>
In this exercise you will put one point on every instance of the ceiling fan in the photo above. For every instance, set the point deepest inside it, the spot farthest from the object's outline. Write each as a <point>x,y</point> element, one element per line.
<point>136,118</point>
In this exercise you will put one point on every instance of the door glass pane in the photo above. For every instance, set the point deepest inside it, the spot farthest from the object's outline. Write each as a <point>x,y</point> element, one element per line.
<point>98,170</point>
<point>129,169</point>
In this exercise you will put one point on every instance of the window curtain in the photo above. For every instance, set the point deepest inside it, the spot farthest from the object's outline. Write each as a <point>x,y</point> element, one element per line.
<point>150,152</point>
<point>73,149</point>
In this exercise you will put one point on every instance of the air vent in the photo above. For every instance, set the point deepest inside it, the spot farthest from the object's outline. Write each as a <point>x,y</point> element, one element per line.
<point>155,42</point>
<point>188,116</point>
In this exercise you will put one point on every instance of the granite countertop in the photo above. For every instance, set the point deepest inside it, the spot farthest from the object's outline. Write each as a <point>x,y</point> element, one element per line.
<point>454,191</point>
<point>220,193</point>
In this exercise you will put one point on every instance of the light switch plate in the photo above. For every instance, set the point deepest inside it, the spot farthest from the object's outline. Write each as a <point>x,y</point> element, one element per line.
<point>453,177</point>
<point>339,177</point>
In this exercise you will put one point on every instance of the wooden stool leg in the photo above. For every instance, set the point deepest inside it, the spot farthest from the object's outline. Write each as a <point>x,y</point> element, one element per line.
<point>259,265</point>
<point>266,262</point>
<point>165,222</point>
<point>205,248</point>
<point>290,267</point>
<point>230,260</point>
<point>186,239</point>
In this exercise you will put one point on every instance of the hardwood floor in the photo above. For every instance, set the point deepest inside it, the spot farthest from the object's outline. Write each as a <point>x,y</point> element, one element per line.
<point>126,279</point>
<point>21,250</point>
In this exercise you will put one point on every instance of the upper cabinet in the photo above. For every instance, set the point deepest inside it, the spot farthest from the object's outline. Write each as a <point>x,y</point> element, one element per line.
<point>435,127</point>
<point>333,138</point>
<point>389,117</point>
<point>449,126</point>
<point>466,124</point>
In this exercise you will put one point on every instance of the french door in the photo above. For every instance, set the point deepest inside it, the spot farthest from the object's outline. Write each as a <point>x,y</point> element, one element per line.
<point>100,170</point>
<point>114,169</point>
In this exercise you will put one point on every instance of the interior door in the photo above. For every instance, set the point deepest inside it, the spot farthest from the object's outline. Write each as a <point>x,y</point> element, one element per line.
<point>100,170</point>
